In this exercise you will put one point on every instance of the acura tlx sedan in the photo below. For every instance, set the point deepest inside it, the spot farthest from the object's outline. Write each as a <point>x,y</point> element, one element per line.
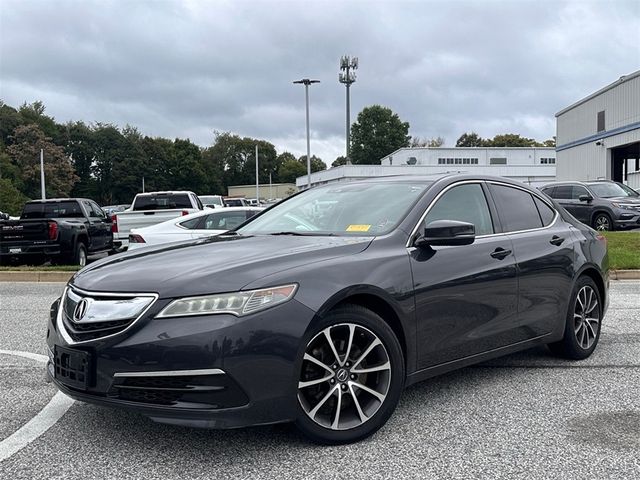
<point>321,309</point>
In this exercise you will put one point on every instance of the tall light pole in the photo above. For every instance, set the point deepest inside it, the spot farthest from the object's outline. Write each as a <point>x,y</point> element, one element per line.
<point>347,76</point>
<point>306,82</point>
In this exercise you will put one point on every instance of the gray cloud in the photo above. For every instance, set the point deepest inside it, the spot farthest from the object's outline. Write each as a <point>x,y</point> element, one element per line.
<point>184,69</point>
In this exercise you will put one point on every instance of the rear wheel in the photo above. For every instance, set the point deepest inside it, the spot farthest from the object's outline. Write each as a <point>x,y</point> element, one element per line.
<point>351,378</point>
<point>583,323</point>
<point>80,255</point>
<point>602,222</point>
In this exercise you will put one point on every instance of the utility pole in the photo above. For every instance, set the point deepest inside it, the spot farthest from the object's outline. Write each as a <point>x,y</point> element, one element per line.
<point>348,64</point>
<point>43,194</point>
<point>257,179</point>
<point>306,82</point>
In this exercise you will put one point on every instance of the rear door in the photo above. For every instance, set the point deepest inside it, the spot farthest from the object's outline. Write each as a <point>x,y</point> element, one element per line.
<point>544,256</point>
<point>104,225</point>
<point>466,296</point>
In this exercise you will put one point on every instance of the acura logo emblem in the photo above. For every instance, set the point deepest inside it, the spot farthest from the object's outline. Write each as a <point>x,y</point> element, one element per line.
<point>342,375</point>
<point>80,310</point>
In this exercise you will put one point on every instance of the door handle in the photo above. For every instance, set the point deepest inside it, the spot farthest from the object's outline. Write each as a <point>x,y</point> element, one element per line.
<point>500,253</point>
<point>556,240</point>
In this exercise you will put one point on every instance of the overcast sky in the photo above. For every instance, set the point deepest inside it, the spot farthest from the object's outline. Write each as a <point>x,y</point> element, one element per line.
<point>187,68</point>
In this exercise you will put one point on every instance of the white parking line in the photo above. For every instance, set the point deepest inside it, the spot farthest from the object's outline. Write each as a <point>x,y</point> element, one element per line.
<point>45,419</point>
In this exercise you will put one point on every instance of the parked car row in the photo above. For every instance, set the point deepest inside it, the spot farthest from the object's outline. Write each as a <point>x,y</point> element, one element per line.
<point>67,231</point>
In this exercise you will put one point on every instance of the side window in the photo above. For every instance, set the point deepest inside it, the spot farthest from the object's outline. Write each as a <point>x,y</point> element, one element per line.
<point>548,191</point>
<point>577,191</point>
<point>99,212</point>
<point>563,192</point>
<point>547,213</point>
<point>87,207</point>
<point>516,208</point>
<point>250,213</point>
<point>464,203</point>
<point>197,202</point>
<point>191,223</point>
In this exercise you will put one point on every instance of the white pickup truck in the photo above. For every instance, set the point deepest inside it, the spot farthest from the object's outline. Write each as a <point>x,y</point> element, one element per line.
<point>149,209</point>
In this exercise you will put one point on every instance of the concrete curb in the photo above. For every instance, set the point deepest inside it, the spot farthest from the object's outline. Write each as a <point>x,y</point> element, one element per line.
<point>35,276</point>
<point>624,274</point>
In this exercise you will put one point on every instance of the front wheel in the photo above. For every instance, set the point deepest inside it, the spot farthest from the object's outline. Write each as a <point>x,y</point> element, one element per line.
<point>351,377</point>
<point>583,322</point>
<point>602,222</point>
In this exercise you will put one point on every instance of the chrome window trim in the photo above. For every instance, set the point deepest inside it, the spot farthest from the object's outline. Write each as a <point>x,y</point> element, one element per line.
<point>171,373</point>
<point>63,331</point>
<point>480,182</point>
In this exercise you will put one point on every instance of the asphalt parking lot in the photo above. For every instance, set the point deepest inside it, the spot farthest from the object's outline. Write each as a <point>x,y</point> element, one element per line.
<point>528,415</point>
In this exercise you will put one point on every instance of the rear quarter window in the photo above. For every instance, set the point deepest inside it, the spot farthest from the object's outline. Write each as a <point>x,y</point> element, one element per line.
<point>516,208</point>
<point>547,214</point>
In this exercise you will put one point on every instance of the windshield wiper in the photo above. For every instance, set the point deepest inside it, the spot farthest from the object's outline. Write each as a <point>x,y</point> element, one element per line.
<point>303,234</point>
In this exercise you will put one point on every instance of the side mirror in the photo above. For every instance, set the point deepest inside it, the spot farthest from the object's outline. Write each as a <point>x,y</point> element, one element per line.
<point>447,233</point>
<point>585,198</point>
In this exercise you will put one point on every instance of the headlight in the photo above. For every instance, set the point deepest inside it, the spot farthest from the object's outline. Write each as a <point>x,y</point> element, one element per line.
<point>237,303</point>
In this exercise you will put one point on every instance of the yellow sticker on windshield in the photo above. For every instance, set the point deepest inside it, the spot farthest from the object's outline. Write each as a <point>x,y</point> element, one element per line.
<point>358,228</point>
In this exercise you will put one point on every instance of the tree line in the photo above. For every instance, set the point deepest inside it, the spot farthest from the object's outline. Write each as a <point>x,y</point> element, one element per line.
<point>107,163</point>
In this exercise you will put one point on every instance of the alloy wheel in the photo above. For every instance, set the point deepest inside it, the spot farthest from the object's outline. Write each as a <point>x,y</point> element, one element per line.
<point>603,224</point>
<point>82,258</point>
<point>345,377</point>
<point>586,316</point>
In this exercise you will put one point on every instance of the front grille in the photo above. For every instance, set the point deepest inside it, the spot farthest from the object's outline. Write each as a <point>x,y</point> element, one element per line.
<point>102,315</point>
<point>197,391</point>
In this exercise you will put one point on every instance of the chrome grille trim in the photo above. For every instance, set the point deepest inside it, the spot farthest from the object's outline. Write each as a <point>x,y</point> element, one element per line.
<point>85,293</point>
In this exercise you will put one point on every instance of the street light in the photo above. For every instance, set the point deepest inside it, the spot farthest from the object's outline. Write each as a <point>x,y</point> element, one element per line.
<point>306,82</point>
<point>348,77</point>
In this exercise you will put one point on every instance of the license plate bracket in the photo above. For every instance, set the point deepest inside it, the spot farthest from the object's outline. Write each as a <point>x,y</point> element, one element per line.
<point>72,367</point>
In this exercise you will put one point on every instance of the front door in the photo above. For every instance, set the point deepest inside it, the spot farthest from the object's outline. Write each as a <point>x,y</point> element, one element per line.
<point>466,296</point>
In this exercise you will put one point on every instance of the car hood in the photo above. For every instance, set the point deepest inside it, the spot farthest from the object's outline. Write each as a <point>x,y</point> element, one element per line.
<point>211,265</point>
<point>633,200</point>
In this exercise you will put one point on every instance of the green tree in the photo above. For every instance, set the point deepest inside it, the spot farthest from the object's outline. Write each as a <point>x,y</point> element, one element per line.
<point>510,140</point>
<point>376,133</point>
<point>427,142</point>
<point>470,140</point>
<point>550,142</point>
<point>11,199</point>
<point>339,161</point>
<point>24,153</point>
<point>290,170</point>
<point>9,120</point>
<point>237,156</point>
<point>317,165</point>
<point>34,113</point>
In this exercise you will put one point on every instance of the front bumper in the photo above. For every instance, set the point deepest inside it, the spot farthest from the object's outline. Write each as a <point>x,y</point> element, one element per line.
<point>626,218</point>
<point>246,367</point>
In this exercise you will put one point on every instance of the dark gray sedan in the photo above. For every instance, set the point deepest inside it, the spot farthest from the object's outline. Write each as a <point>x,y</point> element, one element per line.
<point>321,309</point>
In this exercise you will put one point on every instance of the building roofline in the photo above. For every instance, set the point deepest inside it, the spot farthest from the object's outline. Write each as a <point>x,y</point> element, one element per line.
<point>620,81</point>
<point>469,148</point>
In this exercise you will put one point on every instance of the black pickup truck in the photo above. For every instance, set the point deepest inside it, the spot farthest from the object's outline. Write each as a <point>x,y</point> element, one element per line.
<point>62,230</point>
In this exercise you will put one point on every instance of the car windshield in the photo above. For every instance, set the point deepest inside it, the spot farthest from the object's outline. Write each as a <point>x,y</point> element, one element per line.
<point>350,209</point>
<point>611,190</point>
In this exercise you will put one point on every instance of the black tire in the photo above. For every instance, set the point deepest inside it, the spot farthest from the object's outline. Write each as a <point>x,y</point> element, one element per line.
<point>573,345</point>
<point>386,358</point>
<point>602,222</point>
<point>79,255</point>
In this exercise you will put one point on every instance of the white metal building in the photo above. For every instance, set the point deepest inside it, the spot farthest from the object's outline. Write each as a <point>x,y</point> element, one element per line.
<point>599,136</point>
<point>533,166</point>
